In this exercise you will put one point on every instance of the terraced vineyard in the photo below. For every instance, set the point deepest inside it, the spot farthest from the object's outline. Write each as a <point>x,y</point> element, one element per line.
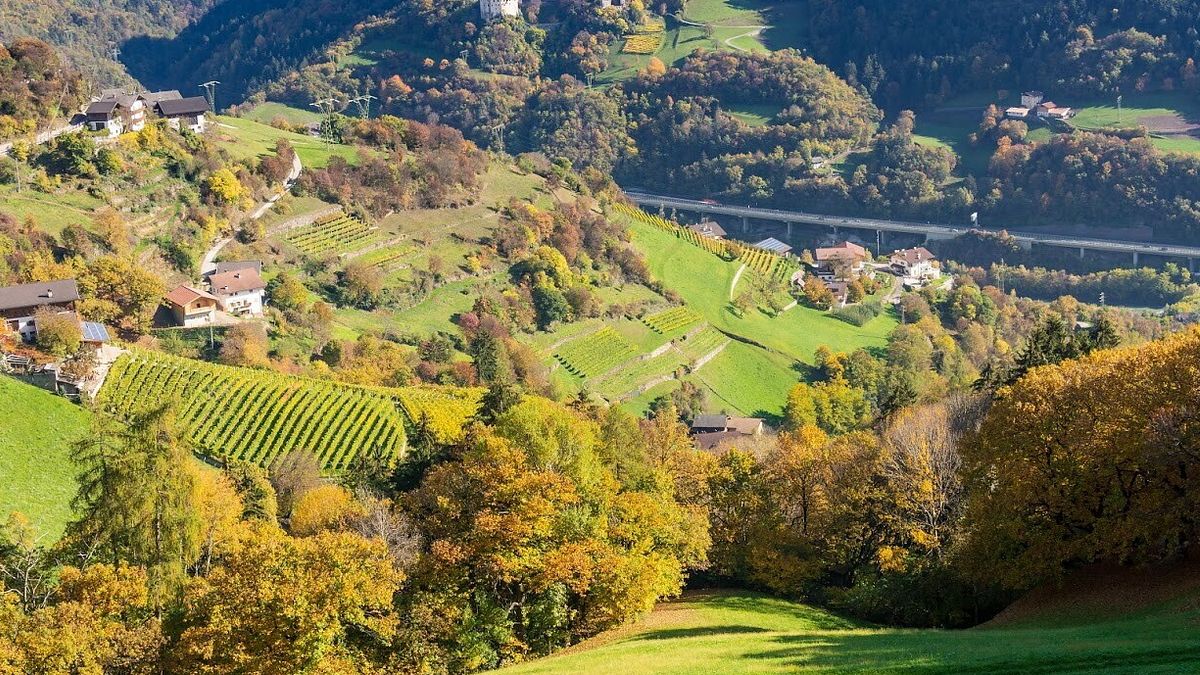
<point>767,264</point>
<point>627,380</point>
<point>671,320</point>
<point>595,354</point>
<point>339,233</point>
<point>720,247</point>
<point>702,343</point>
<point>257,415</point>
<point>387,257</point>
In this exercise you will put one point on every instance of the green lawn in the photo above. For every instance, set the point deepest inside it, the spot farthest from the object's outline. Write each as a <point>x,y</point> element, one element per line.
<point>265,113</point>
<point>703,280</point>
<point>739,632</point>
<point>244,138</point>
<point>755,115</point>
<point>37,477</point>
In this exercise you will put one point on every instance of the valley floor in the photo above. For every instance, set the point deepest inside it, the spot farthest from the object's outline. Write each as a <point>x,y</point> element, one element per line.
<point>740,632</point>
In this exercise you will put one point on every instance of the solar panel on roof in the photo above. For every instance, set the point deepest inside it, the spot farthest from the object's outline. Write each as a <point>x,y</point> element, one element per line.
<point>774,245</point>
<point>94,332</point>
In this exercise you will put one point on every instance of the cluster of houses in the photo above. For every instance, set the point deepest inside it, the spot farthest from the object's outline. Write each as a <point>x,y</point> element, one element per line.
<point>117,111</point>
<point>236,289</point>
<point>839,264</point>
<point>1034,105</point>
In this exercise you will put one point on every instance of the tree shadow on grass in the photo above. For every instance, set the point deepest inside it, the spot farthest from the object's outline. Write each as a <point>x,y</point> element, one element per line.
<point>700,631</point>
<point>926,653</point>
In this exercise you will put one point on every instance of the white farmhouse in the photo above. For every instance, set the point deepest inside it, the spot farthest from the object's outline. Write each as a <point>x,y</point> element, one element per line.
<point>240,291</point>
<point>915,264</point>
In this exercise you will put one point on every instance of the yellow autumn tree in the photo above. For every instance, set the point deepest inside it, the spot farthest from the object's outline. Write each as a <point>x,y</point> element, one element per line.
<point>1090,460</point>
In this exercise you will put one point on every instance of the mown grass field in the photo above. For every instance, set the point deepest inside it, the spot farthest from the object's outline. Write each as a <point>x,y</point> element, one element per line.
<point>37,477</point>
<point>738,632</point>
<point>245,138</point>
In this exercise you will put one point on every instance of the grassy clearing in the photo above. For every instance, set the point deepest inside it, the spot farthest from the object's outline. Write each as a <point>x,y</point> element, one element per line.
<point>748,380</point>
<point>753,115</point>
<point>51,212</point>
<point>37,477</point>
<point>245,138</point>
<point>951,130</point>
<point>740,632</point>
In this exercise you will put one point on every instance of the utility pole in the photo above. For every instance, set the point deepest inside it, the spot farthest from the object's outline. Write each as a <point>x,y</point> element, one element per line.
<point>1118,110</point>
<point>210,93</point>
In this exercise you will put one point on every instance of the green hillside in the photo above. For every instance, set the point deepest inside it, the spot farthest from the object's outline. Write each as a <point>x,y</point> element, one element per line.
<point>257,415</point>
<point>36,474</point>
<point>739,632</point>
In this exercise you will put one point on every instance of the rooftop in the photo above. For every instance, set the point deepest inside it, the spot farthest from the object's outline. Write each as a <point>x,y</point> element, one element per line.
<point>912,256</point>
<point>237,266</point>
<point>39,293</point>
<point>236,281</point>
<point>841,251</point>
<point>186,295</point>
<point>193,105</point>
<point>709,228</point>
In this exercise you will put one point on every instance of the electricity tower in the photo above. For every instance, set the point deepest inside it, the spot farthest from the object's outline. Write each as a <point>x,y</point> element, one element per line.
<point>327,106</point>
<point>363,103</point>
<point>210,93</point>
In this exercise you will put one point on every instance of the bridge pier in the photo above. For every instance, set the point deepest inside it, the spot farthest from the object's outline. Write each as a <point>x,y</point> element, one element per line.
<point>1135,258</point>
<point>789,231</point>
<point>1192,265</point>
<point>1081,254</point>
<point>745,223</point>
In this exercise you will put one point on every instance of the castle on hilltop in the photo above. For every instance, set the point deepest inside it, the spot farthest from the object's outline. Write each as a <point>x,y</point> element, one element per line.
<point>491,10</point>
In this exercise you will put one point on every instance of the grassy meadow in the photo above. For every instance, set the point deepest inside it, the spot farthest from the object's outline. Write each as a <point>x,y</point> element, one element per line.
<point>713,633</point>
<point>37,477</point>
<point>244,138</point>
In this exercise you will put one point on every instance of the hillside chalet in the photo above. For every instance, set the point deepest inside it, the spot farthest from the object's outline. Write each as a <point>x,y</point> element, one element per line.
<point>914,265</point>
<point>240,291</point>
<point>841,262</point>
<point>192,307</point>
<point>119,111</point>
<point>709,431</point>
<point>18,304</point>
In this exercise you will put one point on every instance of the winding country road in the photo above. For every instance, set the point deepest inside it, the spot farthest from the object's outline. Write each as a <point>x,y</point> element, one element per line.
<point>209,263</point>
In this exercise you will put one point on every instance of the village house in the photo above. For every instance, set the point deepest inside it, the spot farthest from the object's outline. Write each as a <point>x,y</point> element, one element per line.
<point>18,304</point>
<point>491,10</point>
<point>116,112</point>
<point>184,113</point>
<point>1033,103</point>
<point>708,228</point>
<point>192,307</point>
<point>240,291</point>
<point>237,266</point>
<point>843,261</point>
<point>914,265</point>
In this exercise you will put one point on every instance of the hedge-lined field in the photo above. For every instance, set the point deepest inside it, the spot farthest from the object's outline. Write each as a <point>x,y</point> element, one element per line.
<point>338,234</point>
<point>257,415</point>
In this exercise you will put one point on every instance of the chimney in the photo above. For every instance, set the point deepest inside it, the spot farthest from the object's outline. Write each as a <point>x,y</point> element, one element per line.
<point>49,292</point>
